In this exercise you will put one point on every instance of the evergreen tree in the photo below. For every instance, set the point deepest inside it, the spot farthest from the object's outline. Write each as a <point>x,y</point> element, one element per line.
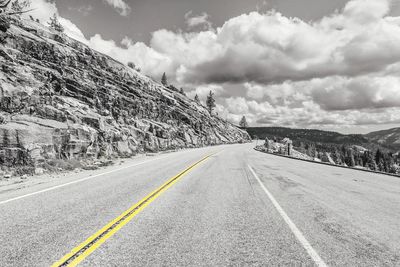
<point>369,161</point>
<point>164,80</point>
<point>19,144</point>
<point>6,138</point>
<point>243,123</point>
<point>55,24</point>
<point>131,65</point>
<point>312,151</point>
<point>350,162</point>
<point>337,157</point>
<point>196,98</point>
<point>210,102</point>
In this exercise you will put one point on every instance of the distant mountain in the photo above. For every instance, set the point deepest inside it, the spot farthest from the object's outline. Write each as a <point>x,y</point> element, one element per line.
<point>387,138</point>
<point>307,135</point>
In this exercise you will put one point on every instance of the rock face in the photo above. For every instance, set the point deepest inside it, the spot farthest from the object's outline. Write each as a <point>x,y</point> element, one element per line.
<point>60,99</point>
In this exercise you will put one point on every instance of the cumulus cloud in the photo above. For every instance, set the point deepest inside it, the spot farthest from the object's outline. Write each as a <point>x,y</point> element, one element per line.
<point>271,48</point>
<point>200,21</point>
<point>358,93</point>
<point>43,10</point>
<point>120,6</point>
<point>150,61</point>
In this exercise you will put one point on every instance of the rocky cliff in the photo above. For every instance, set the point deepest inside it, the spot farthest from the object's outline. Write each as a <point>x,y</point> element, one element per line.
<point>61,100</point>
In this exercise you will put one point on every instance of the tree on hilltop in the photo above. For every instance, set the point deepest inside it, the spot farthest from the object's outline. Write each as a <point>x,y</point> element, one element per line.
<point>210,102</point>
<point>243,123</point>
<point>164,80</point>
<point>55,24</point>
<point>196,98</point>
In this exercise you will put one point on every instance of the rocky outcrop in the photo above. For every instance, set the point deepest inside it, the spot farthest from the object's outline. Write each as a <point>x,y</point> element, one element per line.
<point>60,99</point>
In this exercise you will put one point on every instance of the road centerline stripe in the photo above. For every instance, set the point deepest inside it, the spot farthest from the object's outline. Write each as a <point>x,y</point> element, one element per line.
<point>298,234</point>
<point>79,253</point>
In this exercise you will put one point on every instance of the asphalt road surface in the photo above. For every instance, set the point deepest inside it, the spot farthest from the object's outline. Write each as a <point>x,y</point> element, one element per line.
<point>238,207</point>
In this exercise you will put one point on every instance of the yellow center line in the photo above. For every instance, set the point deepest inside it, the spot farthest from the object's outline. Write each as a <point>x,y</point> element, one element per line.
<point>79,253</point>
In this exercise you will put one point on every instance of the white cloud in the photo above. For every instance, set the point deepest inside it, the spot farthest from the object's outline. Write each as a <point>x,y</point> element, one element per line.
<point>147,59</point>
<point>200,21</point>
<point>271,48</point>
<point>43,10</point>
<point>72,30</point>
<point>358,93</point>
<point>120,6</point>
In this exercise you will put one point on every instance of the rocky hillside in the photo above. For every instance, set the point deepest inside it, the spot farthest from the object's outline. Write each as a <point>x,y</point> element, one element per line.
<point>387,138</point>
<point>61,100</point>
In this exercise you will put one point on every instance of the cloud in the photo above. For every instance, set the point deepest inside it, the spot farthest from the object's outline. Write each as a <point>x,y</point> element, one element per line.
<point>363,92</point>
<point>147,59</point>
<point>200,21</point>
<point>271,48</point>
<point>120,6</point>
<point>72,30</point>
<point>43,10</point>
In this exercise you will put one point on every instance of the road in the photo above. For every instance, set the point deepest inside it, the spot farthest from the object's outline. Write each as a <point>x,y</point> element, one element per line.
<point>238,207</point>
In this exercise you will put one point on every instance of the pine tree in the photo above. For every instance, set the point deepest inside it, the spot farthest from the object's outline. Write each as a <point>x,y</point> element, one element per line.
<point>164,80</point>
<point>55,24</point>
<point>131,65</point>
<point>337,157</point>
<point>19,144</point>
<point>369,161</point>
<point>351,160</point>
<point>210,102</point>
<point>6,138</point>
<point>243,123</point>
<point>196,98</point>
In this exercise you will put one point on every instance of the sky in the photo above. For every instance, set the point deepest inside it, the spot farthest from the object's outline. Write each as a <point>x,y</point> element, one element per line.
<point>323,64</point>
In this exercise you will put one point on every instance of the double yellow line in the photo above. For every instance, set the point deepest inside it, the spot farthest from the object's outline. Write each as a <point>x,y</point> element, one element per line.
<point>82,251</point>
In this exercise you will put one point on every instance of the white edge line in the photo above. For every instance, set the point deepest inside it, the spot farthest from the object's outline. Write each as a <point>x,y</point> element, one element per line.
<point>77,181</point>
<point>299,235</point>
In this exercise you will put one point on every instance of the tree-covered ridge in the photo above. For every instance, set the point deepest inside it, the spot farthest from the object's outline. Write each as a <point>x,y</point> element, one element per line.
<point>306,135</point>
<point>359,151</point>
